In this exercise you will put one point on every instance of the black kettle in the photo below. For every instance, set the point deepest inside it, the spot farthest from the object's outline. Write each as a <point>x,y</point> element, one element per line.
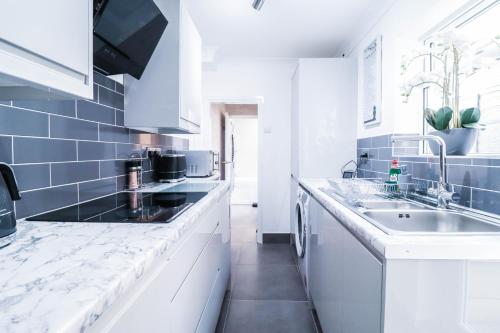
<point>8,194</point>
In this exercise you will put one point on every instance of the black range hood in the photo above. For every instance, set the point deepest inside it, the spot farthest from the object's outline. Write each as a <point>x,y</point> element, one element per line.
<point>126,33</point>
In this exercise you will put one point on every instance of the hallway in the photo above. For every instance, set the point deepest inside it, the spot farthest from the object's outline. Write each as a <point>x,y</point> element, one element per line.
<point>266,291</point>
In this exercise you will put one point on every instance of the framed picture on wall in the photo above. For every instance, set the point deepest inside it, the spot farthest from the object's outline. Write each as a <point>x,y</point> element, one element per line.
<point>371,82</point>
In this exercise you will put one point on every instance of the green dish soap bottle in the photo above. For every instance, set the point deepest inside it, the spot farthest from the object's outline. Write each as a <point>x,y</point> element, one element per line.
<point>394,173</point>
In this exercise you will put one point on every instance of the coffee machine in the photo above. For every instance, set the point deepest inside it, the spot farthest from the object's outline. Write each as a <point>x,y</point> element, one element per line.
<point>8,194</point>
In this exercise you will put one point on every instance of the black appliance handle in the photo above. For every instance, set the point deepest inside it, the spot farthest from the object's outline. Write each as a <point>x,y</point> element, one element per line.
<point>10,181</point>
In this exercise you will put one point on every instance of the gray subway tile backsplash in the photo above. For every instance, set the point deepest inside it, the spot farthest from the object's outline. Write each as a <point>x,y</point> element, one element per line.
<point>71,128</point>
<point>63,108</point>
<point>74,172</point>
<point>104,81</point>
<point>119,88</point>
<point>126,150</point>
<point>486,162</point>
<point>112,168</point>
<point>119,118</point>
<point>96,93</point>
<point>64,152</point>
<point>486,201</point>
<point>95,112</point>
<point>92,151</point>
<point>425,170</point>
<point>23,122</point>
<point>110,98</point>
<point>35,150</point>
<point>365,143</point>
<point>6,149</point>
<point>96,188</point>
<point>381,141</point>
<point>32,176</point>
<point>110,133</point>
<point>121,183</point>
<point>385,154</point>
<point>477,180</point>
<point>39,201</point>
<point>465,195</point>
<point>380,166</point>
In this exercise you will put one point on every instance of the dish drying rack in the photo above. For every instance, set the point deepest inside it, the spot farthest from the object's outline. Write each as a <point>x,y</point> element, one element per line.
<point>357,189</point>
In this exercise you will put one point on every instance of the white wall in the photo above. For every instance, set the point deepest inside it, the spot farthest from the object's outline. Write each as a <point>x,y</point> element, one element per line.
<point>406,20</point>
<point>245,132</point>
<point>246,81</point>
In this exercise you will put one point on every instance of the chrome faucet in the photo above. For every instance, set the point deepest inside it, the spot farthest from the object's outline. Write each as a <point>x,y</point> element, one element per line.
<point>441,193</point>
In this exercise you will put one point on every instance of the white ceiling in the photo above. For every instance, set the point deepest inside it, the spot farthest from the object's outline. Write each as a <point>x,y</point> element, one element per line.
<point>283,28</point>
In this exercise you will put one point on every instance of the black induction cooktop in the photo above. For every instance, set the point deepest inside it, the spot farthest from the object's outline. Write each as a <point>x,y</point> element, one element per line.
<point>126,207</point>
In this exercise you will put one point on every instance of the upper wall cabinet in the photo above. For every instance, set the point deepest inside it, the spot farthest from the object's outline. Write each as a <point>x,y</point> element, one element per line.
<point>167,98</point>
<point>46,49</point>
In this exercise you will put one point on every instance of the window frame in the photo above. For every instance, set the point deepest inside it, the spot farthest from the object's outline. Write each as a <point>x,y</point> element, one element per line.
<point>456,21</point>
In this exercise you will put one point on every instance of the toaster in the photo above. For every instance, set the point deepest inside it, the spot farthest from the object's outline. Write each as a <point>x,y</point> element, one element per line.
<point>200,163</point>
<point>169,168</point>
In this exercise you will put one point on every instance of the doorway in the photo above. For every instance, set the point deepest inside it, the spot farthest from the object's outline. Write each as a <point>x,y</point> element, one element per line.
<point>255,267</point>
<point>235,136</point>
<point>245,133</point>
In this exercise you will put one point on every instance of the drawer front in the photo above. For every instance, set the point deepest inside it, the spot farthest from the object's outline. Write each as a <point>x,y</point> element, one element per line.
<point>195,291</point>
<point>184,258</point>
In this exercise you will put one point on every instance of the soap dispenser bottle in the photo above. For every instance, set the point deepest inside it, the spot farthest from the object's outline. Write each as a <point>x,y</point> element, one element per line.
<point>394,172</point>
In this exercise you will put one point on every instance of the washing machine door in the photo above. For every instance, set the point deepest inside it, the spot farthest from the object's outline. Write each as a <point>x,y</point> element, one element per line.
<point>300,228</point>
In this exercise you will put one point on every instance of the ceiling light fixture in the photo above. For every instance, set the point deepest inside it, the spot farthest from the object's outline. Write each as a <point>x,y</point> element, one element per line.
<point>257,4</point>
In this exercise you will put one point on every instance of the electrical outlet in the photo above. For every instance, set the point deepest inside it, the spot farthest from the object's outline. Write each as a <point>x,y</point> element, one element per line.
<point>149,152</point>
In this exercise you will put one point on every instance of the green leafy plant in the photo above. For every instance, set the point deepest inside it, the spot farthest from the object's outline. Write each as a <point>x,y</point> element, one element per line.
<point>455,58</point>
<point>440,119</point>
<point>469,118</point>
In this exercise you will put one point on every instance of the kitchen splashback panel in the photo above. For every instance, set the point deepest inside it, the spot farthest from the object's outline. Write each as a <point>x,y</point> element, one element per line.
<point>476,179</point>
<point>65,152</point>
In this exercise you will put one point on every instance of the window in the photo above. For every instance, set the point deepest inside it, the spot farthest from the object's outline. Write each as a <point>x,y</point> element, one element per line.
<point>483,87</point>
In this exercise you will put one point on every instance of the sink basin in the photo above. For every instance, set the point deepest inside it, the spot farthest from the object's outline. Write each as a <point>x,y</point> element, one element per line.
<point>429,221</point>
<point>390,204</point>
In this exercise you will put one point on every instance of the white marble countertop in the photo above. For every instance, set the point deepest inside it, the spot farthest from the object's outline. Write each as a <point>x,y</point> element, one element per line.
<point>60,277</point>
<point>453,247</point>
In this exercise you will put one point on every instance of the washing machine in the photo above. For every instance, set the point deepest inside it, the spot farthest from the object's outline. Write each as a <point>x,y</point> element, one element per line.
<point>301,234</point>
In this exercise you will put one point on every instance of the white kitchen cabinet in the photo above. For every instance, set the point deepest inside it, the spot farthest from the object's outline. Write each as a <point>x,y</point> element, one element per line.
<point>46,49</point>
<point>323,121</point>
<point>196,289</point>
<point>325,268</point>
<point>362,276</point>
<point>210,316</point>
<point>345,278</point>
<point>167,98</point>
<point>184,293</point>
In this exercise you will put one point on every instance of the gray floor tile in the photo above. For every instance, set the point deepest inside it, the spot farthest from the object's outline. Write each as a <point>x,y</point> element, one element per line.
<point>252,253</point>
<point>243,234</point>
<point>267,282</point>
<point>266,291</point>
<point>243,215</point>
<point>223,314</point>
<point>235,252</point>
<point>269,316</point>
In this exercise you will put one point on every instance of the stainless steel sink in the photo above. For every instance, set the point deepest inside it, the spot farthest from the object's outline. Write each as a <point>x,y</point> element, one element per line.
<point>389,204</point>
<point>429,221</point>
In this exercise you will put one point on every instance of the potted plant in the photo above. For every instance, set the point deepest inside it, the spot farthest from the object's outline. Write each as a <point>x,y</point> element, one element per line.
<point>454,58</point>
